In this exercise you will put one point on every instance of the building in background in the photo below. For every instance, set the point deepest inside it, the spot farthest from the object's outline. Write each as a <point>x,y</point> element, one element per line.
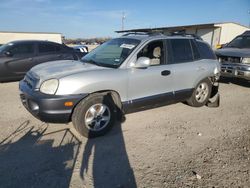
<point>213,33</point>
<point>8,36</point>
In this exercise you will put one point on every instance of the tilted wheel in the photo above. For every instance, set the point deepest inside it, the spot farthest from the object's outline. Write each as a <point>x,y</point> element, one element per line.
<point>94,115</point>
<point>201,94</point>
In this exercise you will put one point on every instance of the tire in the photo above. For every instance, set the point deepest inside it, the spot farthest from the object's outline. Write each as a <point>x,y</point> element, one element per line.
<point>201,93</point>
<point>94,116</point>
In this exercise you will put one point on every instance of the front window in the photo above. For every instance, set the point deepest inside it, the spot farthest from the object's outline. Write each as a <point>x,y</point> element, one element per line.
<point>240,42</point>
<point>5,47</point>
<point>154,51</point>
<point>20,49</point>
<point>112,53</point>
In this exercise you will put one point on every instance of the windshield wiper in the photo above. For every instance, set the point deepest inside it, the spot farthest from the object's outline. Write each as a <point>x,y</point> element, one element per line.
<point>90,61</point>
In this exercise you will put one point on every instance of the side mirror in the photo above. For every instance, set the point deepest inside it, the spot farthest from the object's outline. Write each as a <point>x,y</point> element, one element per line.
<point>142,62</point>
<point>9,54</point>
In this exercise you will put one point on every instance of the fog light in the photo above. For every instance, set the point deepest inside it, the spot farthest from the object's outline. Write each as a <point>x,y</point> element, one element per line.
<point>33,106</point>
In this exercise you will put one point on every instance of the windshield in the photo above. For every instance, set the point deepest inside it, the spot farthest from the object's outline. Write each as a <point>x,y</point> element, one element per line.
<point>240,42</point>
<point>112,53</point>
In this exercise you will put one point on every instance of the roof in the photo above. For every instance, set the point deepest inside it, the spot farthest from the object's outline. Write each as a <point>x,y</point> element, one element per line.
<point>178,27</point>
<point>32,41</point>
<point>30,32</point>
<point>246,33</point>
<point>149,36</point>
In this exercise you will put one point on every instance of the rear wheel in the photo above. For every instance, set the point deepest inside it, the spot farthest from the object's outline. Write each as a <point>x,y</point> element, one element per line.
<point>201,94</point>
<point>94,115</point>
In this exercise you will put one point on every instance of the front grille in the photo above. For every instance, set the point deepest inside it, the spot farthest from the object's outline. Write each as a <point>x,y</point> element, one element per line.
<point>225,59</point>
<point>30,80</point>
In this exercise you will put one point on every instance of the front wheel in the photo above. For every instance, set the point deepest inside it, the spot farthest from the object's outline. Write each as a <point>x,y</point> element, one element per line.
<point>201,94</point>
<point>94,115</point>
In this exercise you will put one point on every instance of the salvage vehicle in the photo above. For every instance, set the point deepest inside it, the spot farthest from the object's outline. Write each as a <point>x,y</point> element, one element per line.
<point>235,57</point>
<point>18,57</point>
<point>127,74</point>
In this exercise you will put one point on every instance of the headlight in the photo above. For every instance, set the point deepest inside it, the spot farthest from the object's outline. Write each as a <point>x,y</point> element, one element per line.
<point>49,86</point>
<point>245,60</point>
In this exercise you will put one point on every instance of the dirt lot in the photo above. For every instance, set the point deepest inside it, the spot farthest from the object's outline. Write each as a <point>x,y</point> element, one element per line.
<point>172,146</point>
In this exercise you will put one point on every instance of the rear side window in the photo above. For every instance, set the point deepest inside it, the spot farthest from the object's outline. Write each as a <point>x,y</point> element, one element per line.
<point>181,50</point>
<point>19,49</point>
<point>48,48</point>
<point>205,51</point>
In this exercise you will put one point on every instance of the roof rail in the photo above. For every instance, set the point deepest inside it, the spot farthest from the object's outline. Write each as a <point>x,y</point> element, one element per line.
<point>135,33</point>
<point>156,33</point>
<point>149,33</point>
<point>183,33</point>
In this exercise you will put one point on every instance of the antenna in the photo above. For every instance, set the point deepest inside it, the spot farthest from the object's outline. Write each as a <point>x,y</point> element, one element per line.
<point>123,18</point>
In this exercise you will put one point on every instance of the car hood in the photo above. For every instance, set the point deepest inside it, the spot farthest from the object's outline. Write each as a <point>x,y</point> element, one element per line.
<point>233,52</point>
<point>59,69</point>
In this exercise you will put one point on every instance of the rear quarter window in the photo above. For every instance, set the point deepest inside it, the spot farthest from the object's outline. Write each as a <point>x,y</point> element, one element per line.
<point>205,51</point>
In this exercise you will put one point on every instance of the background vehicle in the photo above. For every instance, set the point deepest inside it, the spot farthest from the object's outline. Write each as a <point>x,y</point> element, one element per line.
<point>82,50</point>
<point>18,57</point>
<point>235,57</point>
<point>123,75</point>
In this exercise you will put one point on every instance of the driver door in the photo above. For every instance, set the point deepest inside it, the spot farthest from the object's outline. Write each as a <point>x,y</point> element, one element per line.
<point>151,86</point>
<point>22,56</point>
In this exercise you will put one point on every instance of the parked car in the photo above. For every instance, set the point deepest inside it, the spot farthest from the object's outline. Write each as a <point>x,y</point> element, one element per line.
<point>235,57</point>
<point>18,57</point>
<point>123,75</point>
<point>82,50</point>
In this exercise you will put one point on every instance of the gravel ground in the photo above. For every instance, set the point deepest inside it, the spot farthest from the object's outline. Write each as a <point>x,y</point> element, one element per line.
<point>172,146</point>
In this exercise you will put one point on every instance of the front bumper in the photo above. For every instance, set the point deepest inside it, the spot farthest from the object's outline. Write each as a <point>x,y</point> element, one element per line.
<point>235,70</point>
<point>48,108</point>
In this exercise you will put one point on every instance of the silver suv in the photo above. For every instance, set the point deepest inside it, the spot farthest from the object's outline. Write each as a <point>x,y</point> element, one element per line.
<point>127,74</point>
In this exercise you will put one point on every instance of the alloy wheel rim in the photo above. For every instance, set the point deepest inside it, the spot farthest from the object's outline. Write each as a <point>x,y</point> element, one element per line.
<point>97,117</point>
<point>202,92</point>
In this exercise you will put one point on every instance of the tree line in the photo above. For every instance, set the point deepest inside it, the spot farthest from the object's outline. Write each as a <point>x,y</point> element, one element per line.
<point>86,41</point>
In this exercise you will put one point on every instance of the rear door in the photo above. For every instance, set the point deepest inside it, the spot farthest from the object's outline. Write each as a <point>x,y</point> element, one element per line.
<point>188,68</point>
<point>46,52</point>
<point>52,52</point>
<point>22,57</point>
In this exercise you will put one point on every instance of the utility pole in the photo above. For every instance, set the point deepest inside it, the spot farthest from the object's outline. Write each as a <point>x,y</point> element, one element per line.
<point>123,18</point>
<point>249,17</point>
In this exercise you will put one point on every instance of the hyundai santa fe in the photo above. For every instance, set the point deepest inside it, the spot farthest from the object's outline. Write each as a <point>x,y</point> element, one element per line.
<point>127,74</point>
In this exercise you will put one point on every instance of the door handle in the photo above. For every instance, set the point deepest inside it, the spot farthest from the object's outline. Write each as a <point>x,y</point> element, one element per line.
<point>165,72</point>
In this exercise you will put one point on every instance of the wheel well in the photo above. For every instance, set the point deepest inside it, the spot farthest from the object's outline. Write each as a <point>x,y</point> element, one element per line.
<point>114,95</point>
